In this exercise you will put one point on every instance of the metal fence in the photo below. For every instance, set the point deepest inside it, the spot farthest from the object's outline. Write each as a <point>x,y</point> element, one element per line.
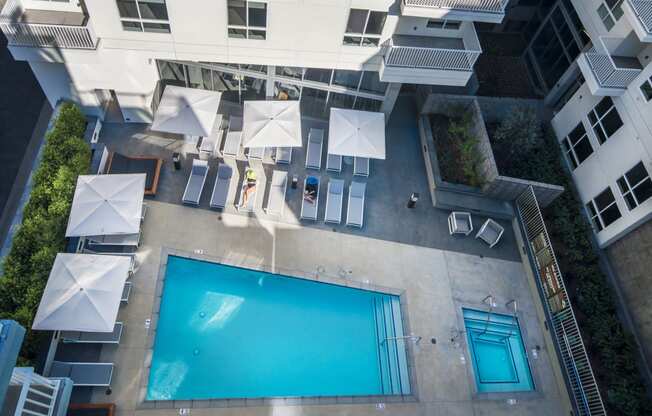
<point>430,58</point>
<point>606,72</point>
<point>567,336</point>
<point>494,6</point>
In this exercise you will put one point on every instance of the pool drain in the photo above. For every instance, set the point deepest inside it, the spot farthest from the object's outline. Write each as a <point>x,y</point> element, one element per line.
<point>202,314</point>
<point>195,352</point>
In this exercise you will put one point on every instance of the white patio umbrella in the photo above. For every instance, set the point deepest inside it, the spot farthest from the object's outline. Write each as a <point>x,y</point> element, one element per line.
<point>83,293</point>
<point>356,133</point>
<point>186,111</point>
<point>107,205</point>
<point>271,124</point>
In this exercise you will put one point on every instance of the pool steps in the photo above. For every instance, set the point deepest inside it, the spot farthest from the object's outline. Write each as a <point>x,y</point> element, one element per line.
<point>392,355</point>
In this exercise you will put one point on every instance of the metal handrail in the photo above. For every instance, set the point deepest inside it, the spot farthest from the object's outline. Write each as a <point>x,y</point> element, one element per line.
<point>606,71</point>
<point>490,6</point>
<point>429,58</point>
<point>643,11</point>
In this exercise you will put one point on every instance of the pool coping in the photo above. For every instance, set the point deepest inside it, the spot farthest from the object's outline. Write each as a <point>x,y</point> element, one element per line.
<point>319,276</point>
<point>534,394</point>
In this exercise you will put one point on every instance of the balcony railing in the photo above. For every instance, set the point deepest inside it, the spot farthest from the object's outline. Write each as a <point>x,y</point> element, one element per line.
<point>612,72</point>
<point>399,52</point>
<point>485,6</point>
<point>48,29</point>
<point>37,395</point>
<point>643,11</point>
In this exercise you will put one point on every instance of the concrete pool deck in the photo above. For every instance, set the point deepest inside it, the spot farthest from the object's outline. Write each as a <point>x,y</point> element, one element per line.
<point>407,250</point>
<point>436,284</point>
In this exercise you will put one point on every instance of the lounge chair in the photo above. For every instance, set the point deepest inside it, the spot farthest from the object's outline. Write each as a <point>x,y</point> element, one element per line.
<point>114,240</point>
<point>490,232</point>
<point>334,198</point>
<point>208,146</point>
<point>222,184</point>
<point>117,250</point>
<point>251,202</point>
<point>126,292</point>
<point>84,374</point>
<point>315,144</point>
<point>235,123</point>
<point>355,209</point>
<point>232,144</point>
<point>256,153</point>
<point>309,208</point>
<point>283,155</point>
<point>460,223</point>
<point>361,166</point>
<point>334,163</point>
<point>78,337</point>
<point>196,182</point>
<point>276,198</point>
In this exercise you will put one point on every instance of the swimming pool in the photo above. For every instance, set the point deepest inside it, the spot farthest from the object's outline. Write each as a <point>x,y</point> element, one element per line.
<point>228,332</point>
<point>496,347</point>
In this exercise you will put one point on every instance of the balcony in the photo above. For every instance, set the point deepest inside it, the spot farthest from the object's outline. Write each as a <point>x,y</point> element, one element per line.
<point>608,73</point>
<point>430,60</point>
<point>489,11</point>
<point>639,14</point>
<point>68,29</point>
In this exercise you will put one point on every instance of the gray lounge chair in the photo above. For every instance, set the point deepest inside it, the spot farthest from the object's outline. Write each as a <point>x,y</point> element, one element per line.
<point>309,208</point>
<point>221,187</point>
<point>334,198</point>
<point>460,223</point>
<point>355,209</point>
<point>235,123</point>
<point>276,198</point>
<point>315,145</point>
<point>196,182</point>
<point>256,153</point>
<point>361,166</point>
<point>84,374</point>
<point>126,292</point>
<point>78,337</point>
<point>334,163</point>
<point>283,155</point>
<point>232,144</point>
<point>490,232</point>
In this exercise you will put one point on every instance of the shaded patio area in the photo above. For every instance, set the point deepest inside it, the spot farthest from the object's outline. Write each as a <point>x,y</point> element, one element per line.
<point>388,187</point>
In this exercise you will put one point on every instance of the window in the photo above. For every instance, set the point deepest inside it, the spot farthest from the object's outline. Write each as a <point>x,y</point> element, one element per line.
<point>371,83</point>
<point>247,19</point>
<point>144,15</point>
<point>443,24</point>
<point>605,119</point>
<point>364,27</point>
<point>603,210</point>
<point>610,11</point>
<point>636,186</point>
<point>646,89</point>
<point>346,78</point>
<point>577,146</point>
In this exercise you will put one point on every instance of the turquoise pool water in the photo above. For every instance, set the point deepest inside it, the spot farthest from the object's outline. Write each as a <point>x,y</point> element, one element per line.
<point>496,346</point>
<point>227,332</point>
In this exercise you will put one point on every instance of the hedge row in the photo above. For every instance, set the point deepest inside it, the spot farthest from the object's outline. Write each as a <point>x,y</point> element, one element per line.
<point>610,347</point>
<point>42,233</point>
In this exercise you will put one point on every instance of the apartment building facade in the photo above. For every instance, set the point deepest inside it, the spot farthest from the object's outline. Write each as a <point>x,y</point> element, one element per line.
<point>605,127</point>
<point>342,53</point>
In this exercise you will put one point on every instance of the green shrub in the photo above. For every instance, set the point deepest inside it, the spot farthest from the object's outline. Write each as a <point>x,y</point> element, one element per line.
<point>519,133</point>
<point>613,352</point>
<point>42,233</point>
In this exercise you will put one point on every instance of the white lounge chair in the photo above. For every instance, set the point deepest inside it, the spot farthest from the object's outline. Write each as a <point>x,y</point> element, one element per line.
<point>84,374</point>
<point>334,198</point>
<point>334,163</point>
<point>490,232</point>
<point>460,223</point>
<point>221,187</point>
<point>79,337</point>
<point>114,240</point>
<point>283,155</point>
<point>355,208</point>
<point>256,153</point>
<point>361,166</point>
<point>276,198</point>
<point>232,144</point>
<point>315,145</point>
<point>196,182</point>
<point>208,146</point>
<point>251,202</point>
<point>309,208</point>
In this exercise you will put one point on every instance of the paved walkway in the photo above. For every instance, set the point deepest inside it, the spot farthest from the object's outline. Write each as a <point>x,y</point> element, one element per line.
<point>388,187</point>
